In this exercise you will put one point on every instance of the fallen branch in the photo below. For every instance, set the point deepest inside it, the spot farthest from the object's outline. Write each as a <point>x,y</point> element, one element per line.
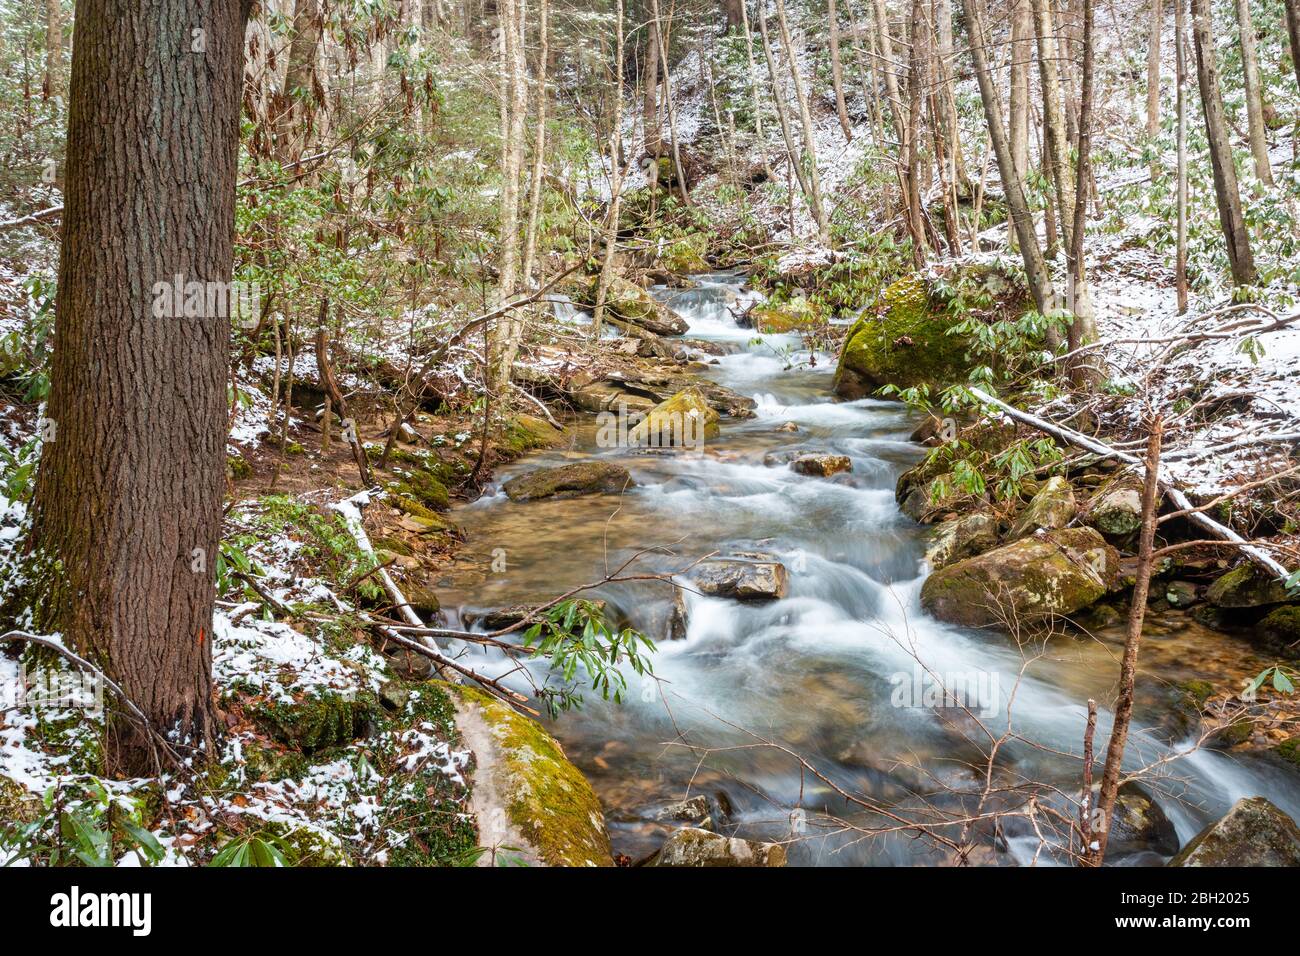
<point>336,398</point>
<point>32,219</point>
<point>1080,440</point>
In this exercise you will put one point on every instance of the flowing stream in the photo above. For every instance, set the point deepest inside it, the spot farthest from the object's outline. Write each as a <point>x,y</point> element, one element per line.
<point>829,673</point>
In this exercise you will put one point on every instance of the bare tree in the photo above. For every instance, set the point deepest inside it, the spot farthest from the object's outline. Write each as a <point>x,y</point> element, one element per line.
<point>1254,91</point>
<point>539,142</point>
<point>837,70</point>
<point>1018,93</point>
<point>1180,57</point>
<point>1153,70</point>
<point>1226,193</point>
<point>1036,274</point>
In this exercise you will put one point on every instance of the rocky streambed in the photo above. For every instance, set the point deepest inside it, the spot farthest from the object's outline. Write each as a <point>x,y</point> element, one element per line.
<point>794,706</point>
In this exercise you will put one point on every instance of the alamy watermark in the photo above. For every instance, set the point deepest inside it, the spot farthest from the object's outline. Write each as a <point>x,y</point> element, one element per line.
<point>624,428</point>
<point>175,298</point>
<point>974,690</point>
<point>49,689</point>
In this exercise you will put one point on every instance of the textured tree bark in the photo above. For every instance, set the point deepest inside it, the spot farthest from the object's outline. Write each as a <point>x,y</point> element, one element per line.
<point>1057,153</point>
<point>294,112</point>
<point>783,117</point>
<point>889,67</point>
<point>1153,70</point>
<point>1040,282</point>
<point>128,494</point>
<point>53,48</point>
<point>539,143</point>
<point>1083,325</point>
<point>1254,91</point>
<point>1293,34</point>
<point>650,90</point>
<point>1226,192</point>
<point>837,71</point>
<point>1095,842</point>
<point>1180,245</point>
<point>948,104</point>
<point>1022,47</point>
<point>916,83</point>
<point>514,106</point>
<point>806,122</point>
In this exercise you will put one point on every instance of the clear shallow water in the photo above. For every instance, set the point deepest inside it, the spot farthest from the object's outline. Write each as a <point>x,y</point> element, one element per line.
<point>818,674</point>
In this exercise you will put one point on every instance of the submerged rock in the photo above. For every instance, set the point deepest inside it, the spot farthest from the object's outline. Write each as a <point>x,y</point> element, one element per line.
<point>1032,580</point>
<point>569,481</point>
<point>961,538</point>
<point>1140,825</point>
<point>691,846</point>
<point>1051,509</point>
<point>1253,833</point>
<point>677,619</point>
<point>701,811</point>
<point>821,466</point>
<point>742,579</point>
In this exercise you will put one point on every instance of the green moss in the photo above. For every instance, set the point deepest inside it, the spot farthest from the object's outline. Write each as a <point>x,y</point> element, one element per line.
<point>525,433</point>
<point>315,723</point>
<point>1198,691</point>
<point>1289,750</point>
<point>238,467</point>
<point>271,763</point>
<point>687,254</point>
<point>548,799</point>
<point>383,542</point>
<point>295,448</point>
<point>906,343</point>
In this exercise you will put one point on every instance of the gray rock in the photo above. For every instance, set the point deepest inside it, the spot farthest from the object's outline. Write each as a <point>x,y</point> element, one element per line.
<point>1253,833</point>
<point>1051,509</point>
<point>677,620</point>
<point>743,580</point>
<point>1140,825</point>
<point>961,538</point>
<point>700,811</point>
<point>1181,593</point>
<point>569,481</point>
<point>1246,586</point>
<point>693,847</point>
<point>1116,511</point>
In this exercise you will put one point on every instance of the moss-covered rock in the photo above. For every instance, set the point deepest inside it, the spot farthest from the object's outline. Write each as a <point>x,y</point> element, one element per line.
<point>694,847</point>
<point>526,790</point>
<point>631,303</point>
<point>684,419</point>
<point>1280,629</point>
<point>1052,508</point>
<point>526,433</point>
<point>1116,508</point>
<point>779,318</point>
<point>686,254</point>
<point>569,481</point>
<point>238,467</point>
<point>1246,586</point>
<point>904,343</point>
<point>961,538</point>
<point>311,724</point>
<point>1031,580</point>
<point>1253,833</point>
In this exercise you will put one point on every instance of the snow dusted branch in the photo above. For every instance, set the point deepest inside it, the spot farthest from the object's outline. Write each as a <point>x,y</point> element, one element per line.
<point>1080,440</point>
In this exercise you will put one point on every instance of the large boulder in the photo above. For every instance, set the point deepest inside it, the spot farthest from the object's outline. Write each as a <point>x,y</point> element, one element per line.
<point>1047,575</point>
<point>1051,509</point>
<point>691,846</point>
<point>569,481</point>
<point>903,342</point>
<point>1253,833</point>
<point>1246,586</point>
<point>526,794</point>
<point>742,579</point>
<point>961,538</point>
<point>630,303</point>
<point>684,420</point>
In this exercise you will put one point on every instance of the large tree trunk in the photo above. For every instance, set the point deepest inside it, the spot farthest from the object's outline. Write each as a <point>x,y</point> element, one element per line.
<point>1153,70</point>
<point>948,100</point>
<point>1226,193</point>
<point>1057,154</point>
<point>837,71</point>
<point>1254,91</point>
<point>916,83</point>
<point>1040,282</point>
<point>1022,46</point>
<point>1293,34</point>
<point>539,143</point>
<point>514,108</point>
<point>805,120</point>
<point>294,114</point>
<point>53,48</point>
<point>1180,245</point>
<point>650,90</point>
<point>128,495</point>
